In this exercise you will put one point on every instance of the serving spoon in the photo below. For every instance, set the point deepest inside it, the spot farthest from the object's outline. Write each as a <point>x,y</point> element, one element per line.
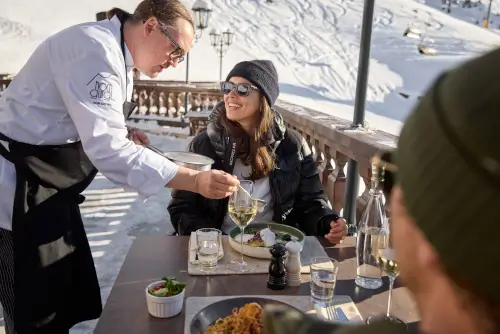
<point>261,204</point>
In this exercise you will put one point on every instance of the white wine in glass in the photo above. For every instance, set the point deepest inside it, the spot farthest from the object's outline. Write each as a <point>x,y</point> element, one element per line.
<point>386,259</point>
<point>242,215</point>
<point>242,210</point>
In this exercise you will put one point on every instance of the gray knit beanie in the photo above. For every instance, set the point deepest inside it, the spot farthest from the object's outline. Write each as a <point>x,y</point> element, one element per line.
<point>262,74</point>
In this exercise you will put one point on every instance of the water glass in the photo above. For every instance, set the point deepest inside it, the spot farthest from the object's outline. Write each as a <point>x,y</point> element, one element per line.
<point>208,243</point>
<point>323,278</point>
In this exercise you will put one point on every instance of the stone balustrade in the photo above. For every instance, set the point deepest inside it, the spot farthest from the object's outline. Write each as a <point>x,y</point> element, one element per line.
<point>4,82</point>
<point>172,101</point>
<point>333,143</point>
<point>164,98</point>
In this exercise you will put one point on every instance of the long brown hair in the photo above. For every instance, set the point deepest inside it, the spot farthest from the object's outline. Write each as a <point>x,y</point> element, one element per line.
<point>166,11</point>
<point>253,147</point>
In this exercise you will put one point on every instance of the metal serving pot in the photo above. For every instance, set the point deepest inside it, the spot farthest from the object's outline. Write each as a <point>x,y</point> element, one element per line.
<point>185,159</point>
<point>190,160</point>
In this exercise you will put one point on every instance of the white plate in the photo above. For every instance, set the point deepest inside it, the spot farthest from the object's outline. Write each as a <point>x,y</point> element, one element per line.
<point>261,252</point>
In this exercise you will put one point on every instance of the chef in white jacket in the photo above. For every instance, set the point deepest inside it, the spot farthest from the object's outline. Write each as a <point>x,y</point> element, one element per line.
<point>62,119</point>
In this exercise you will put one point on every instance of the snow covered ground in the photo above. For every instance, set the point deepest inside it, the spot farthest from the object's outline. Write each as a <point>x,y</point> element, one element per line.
<point>314,44</point>
<point>475,14</point>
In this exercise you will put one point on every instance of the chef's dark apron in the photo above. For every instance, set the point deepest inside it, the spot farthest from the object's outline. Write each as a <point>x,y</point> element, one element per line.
<point>56,285</point>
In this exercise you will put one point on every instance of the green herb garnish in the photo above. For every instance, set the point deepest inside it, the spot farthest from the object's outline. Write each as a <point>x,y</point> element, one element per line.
<point>171,288</point>
<point>252,231</point>
<point>283,237</point>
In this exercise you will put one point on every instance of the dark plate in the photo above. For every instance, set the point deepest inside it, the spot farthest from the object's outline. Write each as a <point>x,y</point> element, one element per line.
<point>221,309</point>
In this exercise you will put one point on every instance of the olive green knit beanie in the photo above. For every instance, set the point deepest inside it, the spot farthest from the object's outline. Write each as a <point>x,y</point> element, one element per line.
<point>448,159</point>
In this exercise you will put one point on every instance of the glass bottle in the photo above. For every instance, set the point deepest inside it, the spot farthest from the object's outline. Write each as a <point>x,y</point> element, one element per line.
<point>369,274</point>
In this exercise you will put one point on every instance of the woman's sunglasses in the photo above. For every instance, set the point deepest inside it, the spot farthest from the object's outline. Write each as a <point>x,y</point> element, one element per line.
<point>241,89</point>
<point>387,169</point>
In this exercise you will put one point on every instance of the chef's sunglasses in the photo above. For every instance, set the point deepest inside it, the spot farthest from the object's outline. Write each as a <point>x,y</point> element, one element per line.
<point>177,55</point>
<point>384,161</point>
<point>241,89</point>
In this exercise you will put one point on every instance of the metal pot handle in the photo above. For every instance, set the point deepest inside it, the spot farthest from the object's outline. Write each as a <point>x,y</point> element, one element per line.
<point>156,150</point>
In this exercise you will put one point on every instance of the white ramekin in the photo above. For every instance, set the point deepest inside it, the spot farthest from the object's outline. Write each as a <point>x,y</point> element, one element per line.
<point>164,307</point>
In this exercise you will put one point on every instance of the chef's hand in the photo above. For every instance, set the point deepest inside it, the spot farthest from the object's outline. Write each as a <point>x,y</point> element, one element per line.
<point>137,136</point>
<point>338,231</point>
<point>215,184</point>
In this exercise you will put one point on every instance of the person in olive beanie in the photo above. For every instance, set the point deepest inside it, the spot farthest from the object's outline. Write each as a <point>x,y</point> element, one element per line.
<point>445,206</point>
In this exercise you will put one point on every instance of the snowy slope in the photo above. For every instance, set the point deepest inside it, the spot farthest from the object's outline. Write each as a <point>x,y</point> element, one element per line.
<point>476,13</point>
<point>314,44</point>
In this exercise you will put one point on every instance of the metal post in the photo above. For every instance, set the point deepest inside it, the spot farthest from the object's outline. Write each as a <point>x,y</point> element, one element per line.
<point>221,55</point>
<point>187,81</point>
<point>487,21</point>
<point>352,182</point>
<point>187,67</point>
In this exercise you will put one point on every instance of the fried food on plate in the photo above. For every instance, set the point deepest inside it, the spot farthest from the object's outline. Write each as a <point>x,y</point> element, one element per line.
<point>246,320</point>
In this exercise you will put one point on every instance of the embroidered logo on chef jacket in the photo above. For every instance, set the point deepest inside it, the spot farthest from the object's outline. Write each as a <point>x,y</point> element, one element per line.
<point>101,89</point>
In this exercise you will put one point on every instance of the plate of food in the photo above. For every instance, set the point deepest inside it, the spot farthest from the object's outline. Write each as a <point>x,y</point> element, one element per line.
<point>259,237</point>
<point>233,315</point>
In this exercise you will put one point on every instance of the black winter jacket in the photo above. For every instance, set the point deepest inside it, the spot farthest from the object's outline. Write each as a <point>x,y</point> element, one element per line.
<point>296,189</point>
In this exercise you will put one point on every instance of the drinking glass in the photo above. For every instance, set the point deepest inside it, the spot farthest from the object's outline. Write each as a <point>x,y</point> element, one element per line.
<point>208,245</point>
<point>242,210</point>
<point>323,278</point>
<point>384,253</point>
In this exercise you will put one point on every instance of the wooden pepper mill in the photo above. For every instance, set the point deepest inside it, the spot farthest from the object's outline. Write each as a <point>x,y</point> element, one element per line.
<point>277,272</point>
<point>293,264</point>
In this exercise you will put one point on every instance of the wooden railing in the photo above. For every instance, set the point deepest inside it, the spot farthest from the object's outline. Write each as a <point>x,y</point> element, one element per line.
<point>329,137</point>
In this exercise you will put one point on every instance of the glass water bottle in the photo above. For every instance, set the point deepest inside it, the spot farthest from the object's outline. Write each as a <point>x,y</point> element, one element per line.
<point>369,274</point>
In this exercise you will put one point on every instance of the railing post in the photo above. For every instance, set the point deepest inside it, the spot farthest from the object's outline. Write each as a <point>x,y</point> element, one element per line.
<point>352,182</point>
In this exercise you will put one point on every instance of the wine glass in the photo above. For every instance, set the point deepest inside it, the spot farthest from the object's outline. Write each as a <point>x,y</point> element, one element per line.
<point>242,210</point>
<point>384,253</point>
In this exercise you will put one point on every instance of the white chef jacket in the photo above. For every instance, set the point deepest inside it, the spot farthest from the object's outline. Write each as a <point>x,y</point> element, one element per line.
<point>72,88</point>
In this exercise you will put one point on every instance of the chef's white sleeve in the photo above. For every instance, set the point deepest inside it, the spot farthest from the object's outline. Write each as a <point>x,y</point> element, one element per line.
<point>93,94</point>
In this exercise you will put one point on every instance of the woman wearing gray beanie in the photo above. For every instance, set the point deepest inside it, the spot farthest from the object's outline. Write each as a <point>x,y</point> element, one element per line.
<point>249,139</point>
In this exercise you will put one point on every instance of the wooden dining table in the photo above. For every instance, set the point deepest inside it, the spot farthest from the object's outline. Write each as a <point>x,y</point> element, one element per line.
<point>152,257</point>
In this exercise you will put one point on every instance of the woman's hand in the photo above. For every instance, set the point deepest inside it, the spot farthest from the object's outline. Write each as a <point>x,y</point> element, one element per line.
<point>338,231</point>
<point>137,136</point>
